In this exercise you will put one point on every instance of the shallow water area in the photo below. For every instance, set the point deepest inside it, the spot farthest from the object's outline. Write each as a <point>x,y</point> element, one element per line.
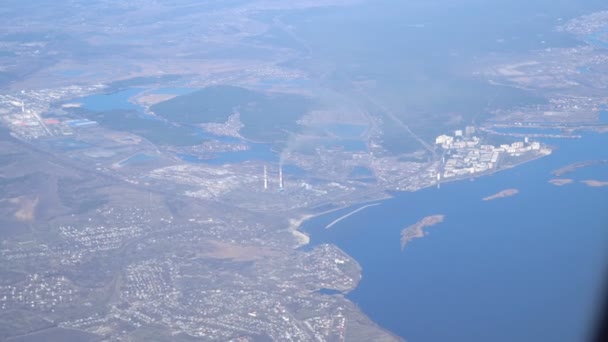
<point>112,101</point>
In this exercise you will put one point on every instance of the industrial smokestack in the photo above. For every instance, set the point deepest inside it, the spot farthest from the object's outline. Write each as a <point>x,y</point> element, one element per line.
<point>438,180</point>
<point>265,178</point>
<point>281,176</point>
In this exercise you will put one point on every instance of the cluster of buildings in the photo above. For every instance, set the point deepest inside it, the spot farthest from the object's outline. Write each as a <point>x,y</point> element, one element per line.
<point>273,73</point>
<point>461,139</point>
<point>99,237</point>
<point>37,292</point>
<point>230,128</point>
<point>109,230</point>
<point>26,113</point>
<point>171,279</point>
<point>328,328</point>
<point>192,297</point>
<point>147,280</point>
<point>464,154</point>
<point>24,252</point>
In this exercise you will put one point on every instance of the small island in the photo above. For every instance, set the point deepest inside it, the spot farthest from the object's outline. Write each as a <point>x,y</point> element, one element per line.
<point>502,194</point>
<point>575,166</point>
<point>560,181</point>
<point>595,183</point>
<point>417,229</point>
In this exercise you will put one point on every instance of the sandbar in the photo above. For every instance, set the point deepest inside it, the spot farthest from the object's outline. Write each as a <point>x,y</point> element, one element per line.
<point>294,226</point>
<point>595,183</point>
<point>502,194</point>
<point>560,181</point>
<point>575,166</point>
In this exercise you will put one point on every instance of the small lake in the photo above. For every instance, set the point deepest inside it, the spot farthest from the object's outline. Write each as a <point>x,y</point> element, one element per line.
<point>598,39</point>
<point>530,130</point>
<point>112,101</point>
<point>259,152</point>
<point>173,91</point>
<point>120,101</point>
<point>583,69</point>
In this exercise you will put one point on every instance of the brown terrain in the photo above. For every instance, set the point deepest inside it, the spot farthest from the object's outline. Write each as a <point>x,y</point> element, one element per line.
<point>417,229</point>
<point>502,194</point>
<point>560,181</point>
<point>595,183</point>
<point>573,167</point>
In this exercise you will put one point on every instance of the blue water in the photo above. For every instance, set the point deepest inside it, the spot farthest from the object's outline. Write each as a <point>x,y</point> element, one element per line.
<point>225,139</point>
<point>597,172</point>
<point>531,130</point>
<point>596,38</point>
<point>174,91</point>
<point>604,116</point>
<point>190,158</point>
<point>583,69</point>
<point>113,101</point>
<point>120,100</point>
<point>523,268</point>
<point>80,123</point>
<point>255,152</point>
<point>299,82</point>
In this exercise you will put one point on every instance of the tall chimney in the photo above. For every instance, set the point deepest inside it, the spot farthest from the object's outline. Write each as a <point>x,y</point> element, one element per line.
<point>265,178</point>
<point>280,176</point>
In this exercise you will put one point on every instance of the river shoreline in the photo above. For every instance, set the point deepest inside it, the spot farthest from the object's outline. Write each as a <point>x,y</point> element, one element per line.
<point>295,224</point>
<point>373,230</point>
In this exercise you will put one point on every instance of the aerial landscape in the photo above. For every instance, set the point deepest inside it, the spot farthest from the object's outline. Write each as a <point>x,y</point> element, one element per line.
<point>322,170</point>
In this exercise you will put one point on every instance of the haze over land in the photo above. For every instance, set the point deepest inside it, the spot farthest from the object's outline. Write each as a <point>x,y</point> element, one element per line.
<point>157,158</point>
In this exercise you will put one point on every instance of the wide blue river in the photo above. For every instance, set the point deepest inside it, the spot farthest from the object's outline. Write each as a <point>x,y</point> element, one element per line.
<point>523,268</point>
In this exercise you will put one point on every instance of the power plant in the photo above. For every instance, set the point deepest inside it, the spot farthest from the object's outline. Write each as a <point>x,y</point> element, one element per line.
<point>281,180</point>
